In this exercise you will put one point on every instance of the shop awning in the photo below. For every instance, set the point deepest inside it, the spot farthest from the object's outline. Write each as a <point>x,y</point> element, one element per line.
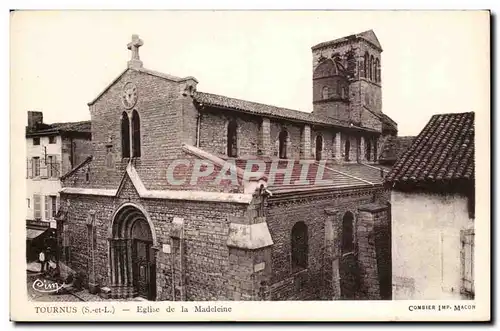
<point>33,233</point>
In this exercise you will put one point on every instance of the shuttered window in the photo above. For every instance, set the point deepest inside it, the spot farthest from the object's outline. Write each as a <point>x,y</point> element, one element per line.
<point>35,163</point>
<point>37,206</point>
<point>47,207</point>
<point>467,262</point>
<point>53,206</point>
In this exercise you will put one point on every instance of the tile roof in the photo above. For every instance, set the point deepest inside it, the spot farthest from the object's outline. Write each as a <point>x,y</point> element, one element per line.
<point>260,109</point>
<point>394,147</point>
<point>43,128</point>
<point>442,152</point>
<point>368,35</point>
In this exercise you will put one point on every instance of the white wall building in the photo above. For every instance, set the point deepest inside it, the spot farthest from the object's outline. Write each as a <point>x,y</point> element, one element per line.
<point>51,151</point>
<point>433,212</point>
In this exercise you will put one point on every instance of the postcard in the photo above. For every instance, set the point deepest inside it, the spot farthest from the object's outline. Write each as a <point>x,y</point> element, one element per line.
<point>250,165</point>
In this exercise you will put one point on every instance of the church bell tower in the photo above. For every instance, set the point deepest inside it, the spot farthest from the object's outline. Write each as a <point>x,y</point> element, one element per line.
<point>347,77</point>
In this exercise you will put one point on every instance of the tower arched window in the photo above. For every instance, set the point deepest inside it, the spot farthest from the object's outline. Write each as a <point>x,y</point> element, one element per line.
<point>371,66</point>
<point>136,134</point>
<point>125,133</point>
<point>300,246</point>
<point>368,150</point>
<point>347,149</point>
<point>232,139</point>
<point>325,93</point>
<point>283,140</point>
<point>377,70</point>
<point>366,65</point>
<point>347,233</point>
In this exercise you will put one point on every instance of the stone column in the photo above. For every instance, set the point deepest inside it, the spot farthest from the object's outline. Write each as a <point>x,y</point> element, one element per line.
<point>331,258</point>
<point>372,250</point>
<point>112,264</point>
<point>305,142</point>
<point>362,156</point>
<point>338,147</point>
<point>265,137</point>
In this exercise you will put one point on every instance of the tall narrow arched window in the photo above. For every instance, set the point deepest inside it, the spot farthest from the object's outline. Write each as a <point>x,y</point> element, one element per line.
<point>366,65</point>
<point>300,246</point>
<point>368,150</point>
<point>370,68</point>
<point>325,93</point>
<point>232,139</point>
<point>334,144</point>
<point>136,134</point>
<point>377,71</point>
<point>283,140</point>
<point>319,147</point>
<point>347,233</point>
<point>125,135</point>
<point>347,149</point>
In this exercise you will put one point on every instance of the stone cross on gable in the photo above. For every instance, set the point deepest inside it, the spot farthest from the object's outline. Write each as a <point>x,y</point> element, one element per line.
<point>134,47</point>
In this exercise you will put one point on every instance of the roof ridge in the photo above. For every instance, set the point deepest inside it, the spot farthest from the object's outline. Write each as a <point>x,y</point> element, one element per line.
<point>255,102</point>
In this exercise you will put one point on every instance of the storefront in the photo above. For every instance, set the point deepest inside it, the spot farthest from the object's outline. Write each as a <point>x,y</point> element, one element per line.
<point>40,236</point>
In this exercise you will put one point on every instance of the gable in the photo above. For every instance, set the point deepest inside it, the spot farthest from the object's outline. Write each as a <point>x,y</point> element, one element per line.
<point>371,37</point>
<point>127,190</point>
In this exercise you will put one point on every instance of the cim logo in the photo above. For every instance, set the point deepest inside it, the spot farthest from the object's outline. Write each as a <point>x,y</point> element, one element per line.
<point>46,286</point>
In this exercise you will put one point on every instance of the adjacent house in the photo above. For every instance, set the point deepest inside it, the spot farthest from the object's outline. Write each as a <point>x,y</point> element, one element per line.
<point>433,199</point>
<point>51,151</point>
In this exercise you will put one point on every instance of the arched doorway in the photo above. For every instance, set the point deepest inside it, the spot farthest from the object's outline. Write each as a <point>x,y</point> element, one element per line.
<point>283,141</point>
<point>347,149</point>
<point>319,147</point>
<point>349,267</point>
<point>132,256</point>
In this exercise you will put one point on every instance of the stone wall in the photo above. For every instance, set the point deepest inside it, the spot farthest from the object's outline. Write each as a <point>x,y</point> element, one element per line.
<point>167,118</point>
<point>209,272</point>
<point>319,280</point>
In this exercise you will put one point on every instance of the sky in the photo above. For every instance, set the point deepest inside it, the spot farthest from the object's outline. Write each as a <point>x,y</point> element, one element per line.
<point>432,62</point>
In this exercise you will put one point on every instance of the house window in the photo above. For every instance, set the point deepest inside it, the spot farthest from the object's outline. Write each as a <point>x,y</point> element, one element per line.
<point>52,166</point>
<point>300,246</point>
<point>368,150</point>
<point>347,233</point>
<point>467,263</point>
<point>125,135</point>
<point>136,134</point>
<point>375,151</point>
<point>52,139</point>
<point>347,149</point>
<point>319,147</point>
<point>53,205</point>
<point>35,166</point>
<point>36,141</point>
<point>283,140</point>
<point>232,139</point>
<point>37,206</point>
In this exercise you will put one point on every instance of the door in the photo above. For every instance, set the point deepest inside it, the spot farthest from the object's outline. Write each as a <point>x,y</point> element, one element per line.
<point>143,268</point>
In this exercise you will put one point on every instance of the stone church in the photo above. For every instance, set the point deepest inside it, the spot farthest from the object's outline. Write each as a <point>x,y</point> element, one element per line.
<point>193,196</point>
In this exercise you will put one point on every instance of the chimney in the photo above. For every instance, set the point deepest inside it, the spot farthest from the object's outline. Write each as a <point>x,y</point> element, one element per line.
<point>35,118</point>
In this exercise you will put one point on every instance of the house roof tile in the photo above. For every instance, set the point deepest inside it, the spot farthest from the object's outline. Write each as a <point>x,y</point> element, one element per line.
<point>442,152</point>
